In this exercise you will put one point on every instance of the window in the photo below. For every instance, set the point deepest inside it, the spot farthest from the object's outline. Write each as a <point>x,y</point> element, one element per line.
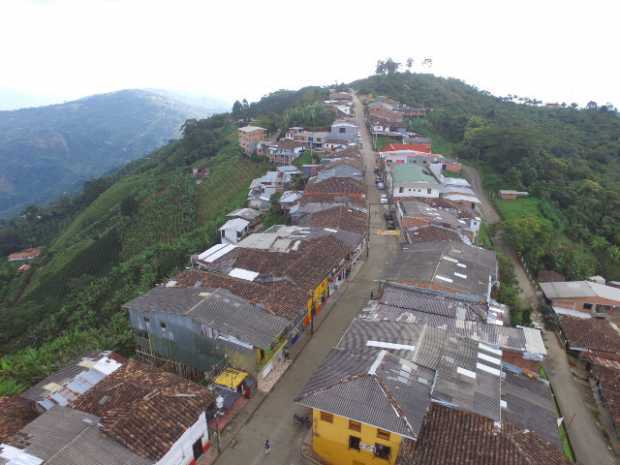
<point>162,325</point>
<point>429,190</point>
<point>354,442</point>
<point>342,130</point>
<point>400,190</point>
<point>355,426</point>
<point>587,306</point>
<point>382,452</point>
<point>327,417</point>
<point>383,434</point>
<point>147,320</point>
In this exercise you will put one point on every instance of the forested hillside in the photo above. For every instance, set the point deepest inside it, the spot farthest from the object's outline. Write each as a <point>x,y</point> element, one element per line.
<point>122,235</point>
<point>567,158</point>
<point>51,150</point>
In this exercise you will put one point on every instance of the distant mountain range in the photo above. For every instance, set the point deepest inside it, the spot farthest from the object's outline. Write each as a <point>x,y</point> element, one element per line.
<point>51,150</point>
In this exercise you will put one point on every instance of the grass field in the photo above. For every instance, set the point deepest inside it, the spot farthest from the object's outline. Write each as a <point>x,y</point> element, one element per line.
<point>519,208</point>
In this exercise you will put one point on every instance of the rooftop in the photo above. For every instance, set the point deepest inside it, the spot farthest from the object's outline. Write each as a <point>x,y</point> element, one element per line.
<point>480,442</point>
<point>75,378</point>
<point>281,298</point>
<point>336,185</point>
<point>66,436</point>
<point>249,214</point>
<point>448,265</point>
<point>145,408</point>
<point>338,217</point>
<point>592,334</point>
<point>251,129</point>
<point>15,413</point>
<point>411,173</point>
<point>282,238</point>
<point>380,390</point>
<point>465,378</point>
<point>236,224</point>
<point>579,289</point>
<point>220,309</point>
<point>416,208</point>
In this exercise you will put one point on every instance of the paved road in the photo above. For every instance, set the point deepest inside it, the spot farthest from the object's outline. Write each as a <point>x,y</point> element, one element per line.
<point>273,419</point>
<point>572,395</point>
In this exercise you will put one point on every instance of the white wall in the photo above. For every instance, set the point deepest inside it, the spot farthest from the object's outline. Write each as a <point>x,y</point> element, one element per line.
<point>181,453</point>
<point>414,192</point>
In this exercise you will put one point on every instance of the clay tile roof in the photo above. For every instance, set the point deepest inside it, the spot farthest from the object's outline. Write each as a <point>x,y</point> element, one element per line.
<point>336,185</point>
<point>339,217</point>
<point>452,437</point>
<point>608,379</point>
<point>592,334</point>
<point>144,408</point>
<point>15,413</point>
<point>281,298</point>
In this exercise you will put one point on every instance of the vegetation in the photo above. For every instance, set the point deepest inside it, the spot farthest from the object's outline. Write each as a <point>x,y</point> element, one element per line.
<point>50,150</point>
<point>567,158</point>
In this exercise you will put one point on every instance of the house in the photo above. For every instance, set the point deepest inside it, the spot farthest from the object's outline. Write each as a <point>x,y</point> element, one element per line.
<point>200,173</point>
<point>249,214</point>
<point>24,255</point>
<point>315,261</point>
<point>450,266</point>
<point>411,181</point>
<point>419,145</point>
<point>582,299</point>
<point>283,152</point>
<point>289,199</point>
<point>250,136</point>
<point>233,231</point>
<point>460,197</point>
<point>606,376</point>
<point>401,157</point>
<point>138,415</point>
<point>311,138</point>
<point>340,169</point>
<point>512,195</point>
<point>594,335</point>
<point>344,130</point>
<point>480,442</point>
<point>365,405</point>
<point>335,187</point>
<point>421,222</point>
<point>200,327</point>
<point>73,380</point>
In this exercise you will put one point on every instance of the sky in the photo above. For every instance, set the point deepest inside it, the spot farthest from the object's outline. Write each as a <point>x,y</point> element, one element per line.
<point>555,51</point>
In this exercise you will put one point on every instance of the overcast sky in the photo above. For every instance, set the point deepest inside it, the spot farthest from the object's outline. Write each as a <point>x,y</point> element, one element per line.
<point>551,50</point>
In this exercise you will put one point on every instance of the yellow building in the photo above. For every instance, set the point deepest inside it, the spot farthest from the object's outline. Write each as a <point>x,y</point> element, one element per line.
<point>364,406</point>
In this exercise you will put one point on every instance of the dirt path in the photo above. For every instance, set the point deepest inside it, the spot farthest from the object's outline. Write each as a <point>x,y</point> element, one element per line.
<point>573,397</point>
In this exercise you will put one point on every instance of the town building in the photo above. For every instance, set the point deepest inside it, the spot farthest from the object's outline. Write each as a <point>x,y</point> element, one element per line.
<point>343,130</point>
<point>250,136</point>
<point>582,299</point>
<point>450,266</point>
<point>233,230</point>
<point>137,415</point>
<point>202,327</point>
<point>412,181</point>
<point>512,195</point>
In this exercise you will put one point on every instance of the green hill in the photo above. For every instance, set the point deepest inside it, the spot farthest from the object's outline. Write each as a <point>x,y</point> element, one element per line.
<point>51,150</point>
<point>122,235</point>
<point>567,158</point>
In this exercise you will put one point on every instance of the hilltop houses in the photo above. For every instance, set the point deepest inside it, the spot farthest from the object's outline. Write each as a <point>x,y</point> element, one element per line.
<point>249,138</point>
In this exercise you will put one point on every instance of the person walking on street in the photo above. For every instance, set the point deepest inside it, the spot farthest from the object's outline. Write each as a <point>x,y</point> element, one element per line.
<point>267,447</point>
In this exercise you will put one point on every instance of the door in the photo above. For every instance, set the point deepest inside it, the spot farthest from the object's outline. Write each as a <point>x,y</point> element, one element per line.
<point>197,448</point>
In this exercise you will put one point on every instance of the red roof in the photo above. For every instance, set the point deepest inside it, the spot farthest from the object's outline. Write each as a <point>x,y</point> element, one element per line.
<point>426,148</point>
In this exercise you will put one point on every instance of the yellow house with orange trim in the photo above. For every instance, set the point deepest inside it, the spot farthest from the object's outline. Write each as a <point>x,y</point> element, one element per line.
<point>364,405</point>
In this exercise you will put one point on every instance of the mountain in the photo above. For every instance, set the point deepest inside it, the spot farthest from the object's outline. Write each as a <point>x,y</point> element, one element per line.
<point>48,151</point>
<point>13,100</point>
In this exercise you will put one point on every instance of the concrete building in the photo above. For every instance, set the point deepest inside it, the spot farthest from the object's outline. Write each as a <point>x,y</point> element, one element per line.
<point>233,231</point>
<point>412,181</point>
<point>250,136</point>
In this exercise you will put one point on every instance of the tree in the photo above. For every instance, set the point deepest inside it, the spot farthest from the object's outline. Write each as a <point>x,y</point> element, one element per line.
<point>380,68</point>
<point>237,109</point>
<point>409,63</point>
<point>391,66</point>
<point>592,105</point>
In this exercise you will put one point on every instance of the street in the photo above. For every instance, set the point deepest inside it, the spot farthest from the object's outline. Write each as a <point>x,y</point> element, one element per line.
<point>273,420</point>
